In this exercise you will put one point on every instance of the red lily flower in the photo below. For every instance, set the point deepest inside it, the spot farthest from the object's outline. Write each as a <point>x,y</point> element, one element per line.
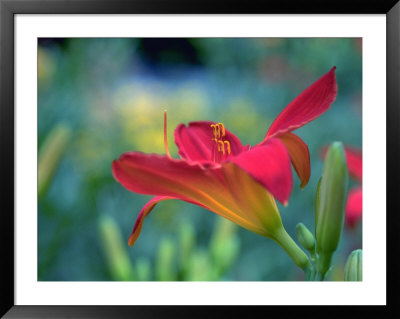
<point>217,172</point>
<point>354,199</point>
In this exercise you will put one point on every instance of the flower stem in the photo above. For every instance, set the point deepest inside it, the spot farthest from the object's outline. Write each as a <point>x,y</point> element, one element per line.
<point>323,263</point>
<point>298,256</point>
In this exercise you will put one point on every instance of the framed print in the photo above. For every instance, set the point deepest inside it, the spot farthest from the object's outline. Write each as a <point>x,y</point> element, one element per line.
<point>168,159</point>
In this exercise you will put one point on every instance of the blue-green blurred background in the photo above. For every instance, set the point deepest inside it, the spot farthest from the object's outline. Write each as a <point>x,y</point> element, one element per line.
<point>98,98</point>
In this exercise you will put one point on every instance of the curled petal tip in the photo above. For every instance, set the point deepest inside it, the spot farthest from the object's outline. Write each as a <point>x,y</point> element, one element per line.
<point>134,236</point>
<point>142,215</point>
<point>286,203</point>
<point>131,241</point>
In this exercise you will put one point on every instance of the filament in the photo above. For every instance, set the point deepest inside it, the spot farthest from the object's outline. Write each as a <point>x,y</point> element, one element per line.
<point>222,148</point>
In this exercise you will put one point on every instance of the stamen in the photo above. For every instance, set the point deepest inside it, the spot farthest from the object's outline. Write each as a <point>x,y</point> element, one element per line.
<point>228,146</point>
<point>214,127</point>
<point>165,135</point>
<point>219,132</point>
<point>220,143</point>
<point>221,127</point>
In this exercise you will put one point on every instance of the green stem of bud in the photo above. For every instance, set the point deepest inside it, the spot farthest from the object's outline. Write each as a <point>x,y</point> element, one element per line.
<point>313,256</point>
<point>323,263</point>
<point>292,249</point>
<point>310,272</point>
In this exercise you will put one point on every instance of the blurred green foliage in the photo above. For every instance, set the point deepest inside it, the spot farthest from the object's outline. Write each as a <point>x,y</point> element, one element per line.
<point>108,97</point>
<point>119,264</point>
<point>176,259</point>
<point>50,154</point>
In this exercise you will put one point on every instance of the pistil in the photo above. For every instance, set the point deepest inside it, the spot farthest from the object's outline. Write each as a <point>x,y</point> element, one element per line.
<point>165,135</point>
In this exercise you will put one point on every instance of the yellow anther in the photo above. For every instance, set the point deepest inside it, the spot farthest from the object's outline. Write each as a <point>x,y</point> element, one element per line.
<point>219,132</point>
<point>222,148</point>
<point>214,127</point>
<point>228,146</point>
<point>221,127</point>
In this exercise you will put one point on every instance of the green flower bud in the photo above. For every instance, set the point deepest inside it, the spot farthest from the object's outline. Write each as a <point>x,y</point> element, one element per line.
<point>305,237</point>
<point>330,208</point>
<point>353,268</point>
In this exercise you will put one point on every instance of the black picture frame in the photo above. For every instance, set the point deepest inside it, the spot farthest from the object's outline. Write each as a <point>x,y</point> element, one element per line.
<point>8,10</point>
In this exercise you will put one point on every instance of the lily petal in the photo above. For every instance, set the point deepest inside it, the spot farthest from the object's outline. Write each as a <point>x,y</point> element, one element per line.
<point>144,212</point>
<point>252,198</point>
<point>142,215</point>
<point>163,176</point>
<point>159,175</point>
<point>354,207</point>
<point>299,156</point>
<point>269,164</point>
<point>310,104</point>
<point>354,162</point>
<point>195,141</point>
